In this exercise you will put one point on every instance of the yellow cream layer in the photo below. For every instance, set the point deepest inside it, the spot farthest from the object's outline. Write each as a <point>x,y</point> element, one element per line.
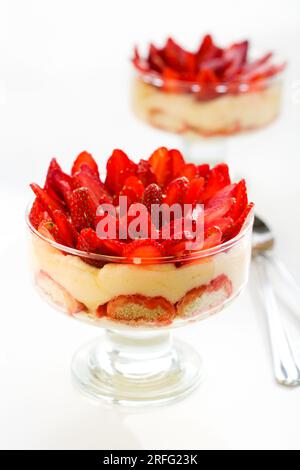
<point>93,286</point>
<point>183,113</point>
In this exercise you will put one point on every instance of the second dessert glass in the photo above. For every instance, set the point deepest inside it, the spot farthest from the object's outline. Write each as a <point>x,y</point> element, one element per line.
<point>137,362</point>
<point>207,96</point>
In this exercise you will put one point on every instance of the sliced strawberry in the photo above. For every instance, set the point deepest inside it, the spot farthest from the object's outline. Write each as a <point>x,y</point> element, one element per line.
<point>194,191</point>
<point>203,170</point>
<point>152,195</point>
<point>86,159</point>
<point>155,59</point>
<point>101,310</point>
<point>241,200</point>
<point>113,247</point>
<point>119,167</point>
<point>83,211</point>
<point>66,231</point>
<point>237,55</point>
<point>208,50</point>
<point>133,189</point>
<point>37,213</point>
<point>45,199</point>
<point>135,309</point>
<point>189,171</point>
<point>146,248</point>
<point>62,184</point>
<point>171,80</point>
<point>49,186</point>
<point>177,163</point>
<point>212,237</point>
<point>176,191</point>
<point>237,226</point>
<point>88,241</point>
<point>86,178</point>
<point>176,246</point>
<point>145,173</point>
<point>160,162</point>
<point>53,166</point>
<point>218,210</point>
<point>224,193</point>
<point>223,223</point>
<point>216,180</point>
<point>49,230</point>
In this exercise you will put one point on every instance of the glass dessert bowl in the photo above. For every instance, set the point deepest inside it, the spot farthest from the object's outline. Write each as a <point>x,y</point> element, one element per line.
<point>207,95</point>
<point>137,289</point>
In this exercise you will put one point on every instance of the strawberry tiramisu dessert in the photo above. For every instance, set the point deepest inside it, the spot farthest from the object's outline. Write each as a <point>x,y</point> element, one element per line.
<point>100,263</point>
<point>212,91</point>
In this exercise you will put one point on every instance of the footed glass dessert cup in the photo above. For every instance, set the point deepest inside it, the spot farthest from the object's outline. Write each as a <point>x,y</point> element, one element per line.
<point>138,303</point>
<point>208,95</point>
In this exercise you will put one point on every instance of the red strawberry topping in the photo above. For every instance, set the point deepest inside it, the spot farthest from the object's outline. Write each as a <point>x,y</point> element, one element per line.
<point>160,162</point>
<point>209,66</point>
<point>37,213</point>
<point>176,191</point>
<point>119,167</point>
<point>85,158</point>
<point>152,195</point>
<point>65,210</point>
<point>82,209</point>
<point>145,248</point>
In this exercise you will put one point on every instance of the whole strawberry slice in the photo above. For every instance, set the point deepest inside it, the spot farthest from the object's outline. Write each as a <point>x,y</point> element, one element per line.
<point>66,231</point>
<point>152,195</point>
<point>45,199</point>
<point>118,168</point>
<point>82,209</point>
<point>146,248</point>
<point>176,191</point>
<point>85,158</point>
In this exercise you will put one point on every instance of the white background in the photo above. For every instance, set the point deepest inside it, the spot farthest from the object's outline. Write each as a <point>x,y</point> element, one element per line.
<point>64,87</point>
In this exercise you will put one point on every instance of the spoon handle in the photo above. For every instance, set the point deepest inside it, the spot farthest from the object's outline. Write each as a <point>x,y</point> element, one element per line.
<point>285,366</point>
<point>284,273</point>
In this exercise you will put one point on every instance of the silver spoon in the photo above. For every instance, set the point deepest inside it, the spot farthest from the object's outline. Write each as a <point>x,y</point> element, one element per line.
<point>286,369</point>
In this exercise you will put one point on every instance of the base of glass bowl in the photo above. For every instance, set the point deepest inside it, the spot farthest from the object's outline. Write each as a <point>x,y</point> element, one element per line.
<point>136,368</point>
<point>210,150</point>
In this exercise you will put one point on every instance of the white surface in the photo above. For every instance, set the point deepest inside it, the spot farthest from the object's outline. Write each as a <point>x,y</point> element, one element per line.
<point>63,88</point>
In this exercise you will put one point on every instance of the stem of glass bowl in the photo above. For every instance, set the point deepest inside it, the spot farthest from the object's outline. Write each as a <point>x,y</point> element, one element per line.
<point>132,367</point>
<point>210,150</point>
